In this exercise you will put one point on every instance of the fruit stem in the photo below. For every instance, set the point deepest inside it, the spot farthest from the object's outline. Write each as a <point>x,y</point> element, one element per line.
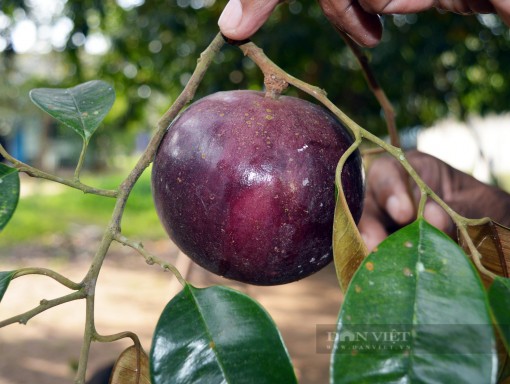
<point>275,85</point>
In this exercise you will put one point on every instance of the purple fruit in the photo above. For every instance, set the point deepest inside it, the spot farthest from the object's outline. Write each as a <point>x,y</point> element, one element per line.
<point>244,185</point>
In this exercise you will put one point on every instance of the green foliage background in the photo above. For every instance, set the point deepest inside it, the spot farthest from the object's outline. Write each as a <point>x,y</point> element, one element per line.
<point>431,65</point>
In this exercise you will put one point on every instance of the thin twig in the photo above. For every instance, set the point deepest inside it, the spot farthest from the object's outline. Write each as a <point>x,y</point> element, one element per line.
<point>117,337</point>
<point>184,98</point>
<point>34,172</point>
<point>377,90</point>
<point>50,273</point>
<point>43,306</point>
<point>150,258</point>
<point>81,160</point>
<point>136,342</point>
<point>125,188</point>
<point>380,95</point>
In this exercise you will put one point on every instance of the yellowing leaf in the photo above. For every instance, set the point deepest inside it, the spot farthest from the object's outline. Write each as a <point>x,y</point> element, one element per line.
<point>132,367</point>
<point>349,249</point>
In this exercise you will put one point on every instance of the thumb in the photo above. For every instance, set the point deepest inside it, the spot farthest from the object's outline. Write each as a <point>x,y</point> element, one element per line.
<point>242,18</point>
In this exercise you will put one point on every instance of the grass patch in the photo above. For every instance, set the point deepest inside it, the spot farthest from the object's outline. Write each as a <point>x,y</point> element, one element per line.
<point>504,181</point>
<point>39,216</point>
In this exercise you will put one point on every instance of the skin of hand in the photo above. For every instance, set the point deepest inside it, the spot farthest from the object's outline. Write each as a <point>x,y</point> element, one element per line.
<point>389,205</point>
<point>359,19</point>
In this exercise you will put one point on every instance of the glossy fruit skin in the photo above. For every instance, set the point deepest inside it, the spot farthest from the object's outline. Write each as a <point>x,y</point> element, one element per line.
<point>244,185</point>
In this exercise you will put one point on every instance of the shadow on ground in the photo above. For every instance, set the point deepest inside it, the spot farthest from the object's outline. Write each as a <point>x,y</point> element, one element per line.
<point>130,296</point>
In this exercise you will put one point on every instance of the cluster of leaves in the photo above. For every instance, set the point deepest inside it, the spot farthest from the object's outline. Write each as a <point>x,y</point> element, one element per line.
<point>414,310</point>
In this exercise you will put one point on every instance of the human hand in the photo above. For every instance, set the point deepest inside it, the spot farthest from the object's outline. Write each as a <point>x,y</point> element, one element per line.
<point>388,205</point>
<point>359,19</point>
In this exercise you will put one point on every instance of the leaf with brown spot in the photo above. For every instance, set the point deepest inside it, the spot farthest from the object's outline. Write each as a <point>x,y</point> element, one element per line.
<point>349,250</point>
<point>132,367</point>
<point>493,242</point>
<point>82,108</point>
<point>415,312</point>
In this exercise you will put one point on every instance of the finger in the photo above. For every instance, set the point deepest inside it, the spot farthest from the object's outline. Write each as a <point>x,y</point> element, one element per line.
<point>242,18</point>
<point>388,187</point>
<point>503,9</point>
<point>413,6</point>
<point>396,6</point>
<point>373,223</point>
<point>372,231</point>
<point>348,16</point>
<point>465,7</point>
<point>437,216</point>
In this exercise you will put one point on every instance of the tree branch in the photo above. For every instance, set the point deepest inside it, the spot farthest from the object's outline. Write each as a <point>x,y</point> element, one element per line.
<point>185,97</point>
<point>34,172</point>
<point>43,306</point>
<point>113,231</point>
<point>50,273</point>
<point>377,90</point>
<point>150,258</point>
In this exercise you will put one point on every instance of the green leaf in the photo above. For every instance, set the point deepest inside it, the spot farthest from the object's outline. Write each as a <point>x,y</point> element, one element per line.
<point>217,335</point>
<point>81,108</point>
<point>5,279</point>
<point>415,311</point>
<point>9,193</point>
<point>499,298</point>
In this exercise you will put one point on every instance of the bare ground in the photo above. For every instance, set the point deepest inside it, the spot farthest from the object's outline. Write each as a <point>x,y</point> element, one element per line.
<point>130,296</point>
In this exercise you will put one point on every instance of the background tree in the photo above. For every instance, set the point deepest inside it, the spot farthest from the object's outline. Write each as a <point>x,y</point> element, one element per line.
<point>152,46</point>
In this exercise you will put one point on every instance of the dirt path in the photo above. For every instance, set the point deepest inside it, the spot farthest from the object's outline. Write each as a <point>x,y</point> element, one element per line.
<point>130,296</point>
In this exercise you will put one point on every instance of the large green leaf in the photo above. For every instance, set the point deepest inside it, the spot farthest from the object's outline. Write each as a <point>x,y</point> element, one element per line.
<point>9,193</point>
<point>499,298</point>
<point>5,279</point>
<point>217,335</point>
<point>415,311</point>
<point>81,108</point>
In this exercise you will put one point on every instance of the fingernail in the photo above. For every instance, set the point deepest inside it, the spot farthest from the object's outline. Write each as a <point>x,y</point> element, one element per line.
<point>231,16</point>
<point>400,208</point>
